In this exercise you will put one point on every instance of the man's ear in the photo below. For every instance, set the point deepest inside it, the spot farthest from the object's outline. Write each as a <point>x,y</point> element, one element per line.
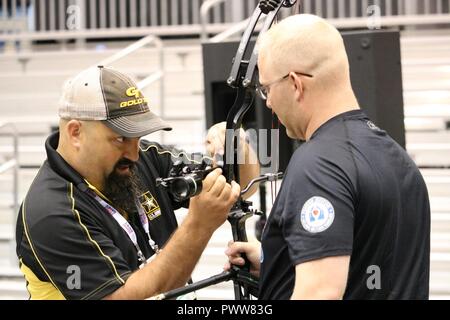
<point>73,130</point>
<point>297,84</point>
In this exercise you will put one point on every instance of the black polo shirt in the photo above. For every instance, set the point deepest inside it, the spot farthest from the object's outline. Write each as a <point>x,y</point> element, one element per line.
<point>62,230</point>
<point>351,191</point>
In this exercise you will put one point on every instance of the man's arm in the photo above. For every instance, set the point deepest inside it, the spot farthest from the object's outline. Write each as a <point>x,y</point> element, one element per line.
<point>322,279</point>
<point>173,266</point>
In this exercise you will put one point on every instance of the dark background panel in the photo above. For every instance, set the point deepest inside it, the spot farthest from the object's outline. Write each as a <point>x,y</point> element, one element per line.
<point>376,74</point>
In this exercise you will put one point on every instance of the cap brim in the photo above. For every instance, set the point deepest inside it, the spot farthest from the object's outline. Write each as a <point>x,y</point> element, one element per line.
<point>137,125</point>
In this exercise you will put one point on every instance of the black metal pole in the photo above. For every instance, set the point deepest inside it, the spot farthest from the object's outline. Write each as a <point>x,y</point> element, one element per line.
<point>222,277</point>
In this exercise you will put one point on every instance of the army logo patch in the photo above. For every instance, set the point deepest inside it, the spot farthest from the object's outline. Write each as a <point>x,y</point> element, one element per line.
<point>150,205</point>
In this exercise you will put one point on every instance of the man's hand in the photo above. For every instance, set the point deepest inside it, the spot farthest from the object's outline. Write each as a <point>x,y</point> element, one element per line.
<point>215,140</point>
<point>247,159</point>
<point>251,249</point>
<point>212,205</point>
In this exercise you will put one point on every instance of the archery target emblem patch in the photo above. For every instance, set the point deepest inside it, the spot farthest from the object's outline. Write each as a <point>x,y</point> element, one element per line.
<point>317,215</point>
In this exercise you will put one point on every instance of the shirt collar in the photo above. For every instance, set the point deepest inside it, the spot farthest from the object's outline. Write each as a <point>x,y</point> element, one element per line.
<point>353,114</point>
<point>59,165</point>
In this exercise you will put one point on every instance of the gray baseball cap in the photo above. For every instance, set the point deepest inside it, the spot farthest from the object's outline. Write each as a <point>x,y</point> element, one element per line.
<point>107,95</point>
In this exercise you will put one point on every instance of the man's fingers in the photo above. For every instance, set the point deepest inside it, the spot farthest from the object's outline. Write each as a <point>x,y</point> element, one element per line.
<point>238,261</point>
<point>211,178</point>
<point>235,248</point>
<point>225,194</point>
<point>218,187</point>
<point>235,251</point>
<point>209,148</point>
<point>217,145</point>
<point>215,139</point>
<point>235,190</point>
<point>230,192</point>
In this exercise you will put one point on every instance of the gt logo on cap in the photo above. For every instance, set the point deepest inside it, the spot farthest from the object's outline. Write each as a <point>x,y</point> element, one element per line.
<point>133,92</point>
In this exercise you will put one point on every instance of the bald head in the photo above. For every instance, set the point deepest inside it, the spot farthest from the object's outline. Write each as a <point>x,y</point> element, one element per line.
<point>299,46</point>
<point>305,43</point>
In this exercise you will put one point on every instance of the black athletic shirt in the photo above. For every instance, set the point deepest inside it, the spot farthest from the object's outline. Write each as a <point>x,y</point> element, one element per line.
<point>351,190</point>
<point>62,229</point>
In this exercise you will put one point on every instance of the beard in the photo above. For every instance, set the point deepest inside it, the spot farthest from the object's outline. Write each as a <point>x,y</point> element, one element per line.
<point>123,189</point>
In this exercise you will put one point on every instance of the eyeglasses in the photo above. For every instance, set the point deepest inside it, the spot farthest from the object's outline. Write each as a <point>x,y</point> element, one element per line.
<point>263,90</point>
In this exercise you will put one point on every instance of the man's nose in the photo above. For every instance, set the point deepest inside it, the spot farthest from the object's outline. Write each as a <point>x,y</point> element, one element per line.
<point>132,149</point>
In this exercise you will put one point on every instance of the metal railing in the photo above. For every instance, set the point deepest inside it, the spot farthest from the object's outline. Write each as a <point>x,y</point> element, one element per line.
<point>82,19</point>
<point>348,14</point>
<point>236,28</point>
<point>154,76</point>
<point>204,11</point>
<point>12,164</point>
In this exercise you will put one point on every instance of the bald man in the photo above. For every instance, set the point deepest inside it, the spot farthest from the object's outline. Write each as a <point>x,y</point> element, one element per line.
<point>352,219</point>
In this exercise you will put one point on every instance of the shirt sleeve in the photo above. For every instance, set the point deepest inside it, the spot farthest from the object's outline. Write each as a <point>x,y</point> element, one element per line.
<point>317,215</point>
<point>75,255</point>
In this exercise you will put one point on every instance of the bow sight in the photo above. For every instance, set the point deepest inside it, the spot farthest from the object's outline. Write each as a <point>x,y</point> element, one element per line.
<point>185,180</point>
